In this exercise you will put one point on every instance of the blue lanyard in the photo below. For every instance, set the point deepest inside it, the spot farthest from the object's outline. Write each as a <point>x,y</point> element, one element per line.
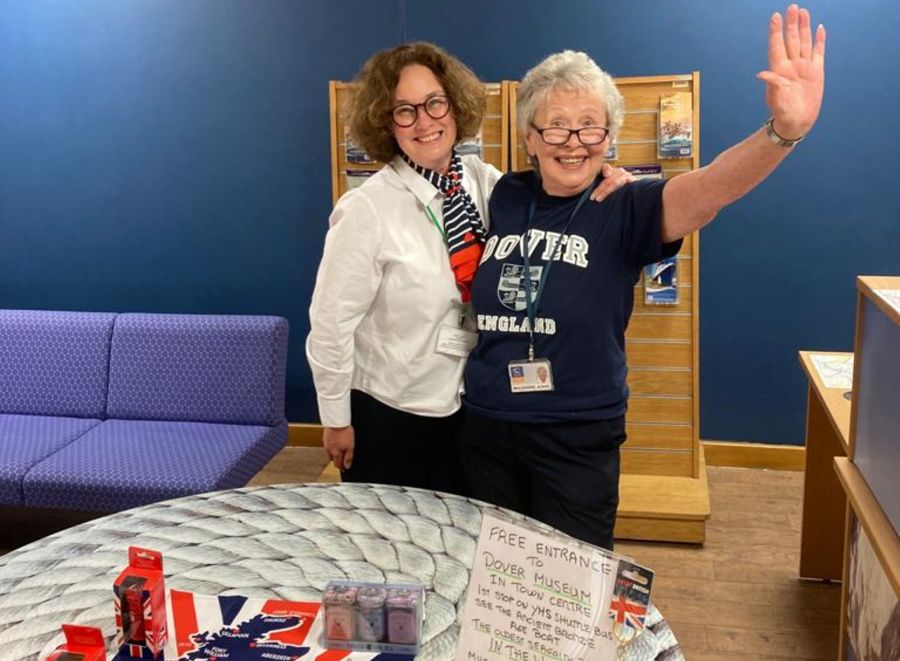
<point>531,304</point>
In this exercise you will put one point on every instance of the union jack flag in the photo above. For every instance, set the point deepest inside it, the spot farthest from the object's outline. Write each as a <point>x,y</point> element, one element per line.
<point>628,612</point>
<point>140,652</point>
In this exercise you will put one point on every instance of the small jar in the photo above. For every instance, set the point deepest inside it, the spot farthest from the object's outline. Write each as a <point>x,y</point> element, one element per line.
<point>370,622</point>
<point>402,620</point>
<point>339,603</point>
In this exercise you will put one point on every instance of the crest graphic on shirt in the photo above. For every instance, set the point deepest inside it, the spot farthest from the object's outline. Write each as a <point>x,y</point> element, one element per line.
<point>511,286</point>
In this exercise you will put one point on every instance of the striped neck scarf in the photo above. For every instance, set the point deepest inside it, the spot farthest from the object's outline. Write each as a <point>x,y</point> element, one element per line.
<point>463,227</point>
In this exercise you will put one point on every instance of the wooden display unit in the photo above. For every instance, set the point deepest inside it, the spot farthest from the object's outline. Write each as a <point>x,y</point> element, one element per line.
<point>662,341</point>
<point>664,494</point>
<point>494,136</point>
<point>869,476</point>
<point>824,502</point>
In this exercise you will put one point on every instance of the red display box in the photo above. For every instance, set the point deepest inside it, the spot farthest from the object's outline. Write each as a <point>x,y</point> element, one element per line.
<point>140,602</point>
<point>82,644</point>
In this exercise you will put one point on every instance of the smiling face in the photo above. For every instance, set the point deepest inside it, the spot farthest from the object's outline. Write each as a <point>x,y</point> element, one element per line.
<point>429,142</point>
<point>570,168</point>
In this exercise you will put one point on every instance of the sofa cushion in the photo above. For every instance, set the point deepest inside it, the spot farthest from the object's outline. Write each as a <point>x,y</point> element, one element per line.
<point>25,440</point>
<point>202,368</point>
<point>54,363</point>
<point>126,463</point>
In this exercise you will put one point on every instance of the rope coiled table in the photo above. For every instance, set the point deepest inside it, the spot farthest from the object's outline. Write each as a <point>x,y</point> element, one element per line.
<point>277,542</point>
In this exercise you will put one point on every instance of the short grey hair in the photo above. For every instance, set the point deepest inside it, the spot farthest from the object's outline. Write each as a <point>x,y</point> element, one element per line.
<point>572,71</point>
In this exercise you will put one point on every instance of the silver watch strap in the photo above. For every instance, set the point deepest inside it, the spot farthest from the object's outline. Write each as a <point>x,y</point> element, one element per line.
<point>777,139</point>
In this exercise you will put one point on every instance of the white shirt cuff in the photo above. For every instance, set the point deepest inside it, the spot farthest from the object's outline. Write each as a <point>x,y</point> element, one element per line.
<point>335,412</point>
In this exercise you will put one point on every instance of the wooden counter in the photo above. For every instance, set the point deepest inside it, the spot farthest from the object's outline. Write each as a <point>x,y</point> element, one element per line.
<point>870,591</point>
<point>824,502</point>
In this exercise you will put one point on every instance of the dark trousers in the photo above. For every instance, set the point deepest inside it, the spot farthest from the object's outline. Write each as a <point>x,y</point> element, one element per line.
<point>394,447</point>
<point>564,474</point>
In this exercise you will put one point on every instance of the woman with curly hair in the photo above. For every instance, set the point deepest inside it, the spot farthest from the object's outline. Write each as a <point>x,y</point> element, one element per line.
<point>390,318</point>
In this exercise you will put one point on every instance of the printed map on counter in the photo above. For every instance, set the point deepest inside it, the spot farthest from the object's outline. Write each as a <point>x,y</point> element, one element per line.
<point>892,296</point>
<point>835,371</point>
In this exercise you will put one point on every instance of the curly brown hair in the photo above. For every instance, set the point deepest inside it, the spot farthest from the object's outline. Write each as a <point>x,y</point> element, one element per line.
<point>369,109</point>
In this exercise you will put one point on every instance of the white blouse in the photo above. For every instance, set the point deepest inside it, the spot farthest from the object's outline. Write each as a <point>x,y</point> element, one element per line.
<point>383,290</point>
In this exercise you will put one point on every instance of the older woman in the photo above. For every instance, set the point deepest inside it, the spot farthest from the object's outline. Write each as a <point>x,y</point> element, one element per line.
<point>545,386</point>
<point>390,327</point>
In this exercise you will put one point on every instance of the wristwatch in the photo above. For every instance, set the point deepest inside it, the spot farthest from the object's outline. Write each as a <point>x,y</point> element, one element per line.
<point>777,139</point>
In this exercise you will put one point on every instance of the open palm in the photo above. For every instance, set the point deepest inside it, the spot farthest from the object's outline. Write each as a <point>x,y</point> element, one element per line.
<point>795,80</point>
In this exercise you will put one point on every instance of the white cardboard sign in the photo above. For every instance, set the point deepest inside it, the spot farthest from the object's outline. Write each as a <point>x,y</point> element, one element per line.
<point>534,596</point>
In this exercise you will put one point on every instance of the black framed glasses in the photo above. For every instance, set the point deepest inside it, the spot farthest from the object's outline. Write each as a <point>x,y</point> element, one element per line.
<point>558,135</point>
<point>406,114</point>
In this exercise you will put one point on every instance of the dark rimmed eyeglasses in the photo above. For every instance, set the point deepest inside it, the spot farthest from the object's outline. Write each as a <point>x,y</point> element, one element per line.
<point>558,135</point>
<point>406,114</point>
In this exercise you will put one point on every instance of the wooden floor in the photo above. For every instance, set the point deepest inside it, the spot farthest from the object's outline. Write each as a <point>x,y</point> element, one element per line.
<point>737,597</point>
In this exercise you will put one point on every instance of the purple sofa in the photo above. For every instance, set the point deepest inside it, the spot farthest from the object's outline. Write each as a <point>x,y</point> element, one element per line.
<point>102,412</point>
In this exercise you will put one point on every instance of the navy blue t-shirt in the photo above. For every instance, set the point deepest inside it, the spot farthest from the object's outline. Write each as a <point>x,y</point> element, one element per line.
<point>584,310</point>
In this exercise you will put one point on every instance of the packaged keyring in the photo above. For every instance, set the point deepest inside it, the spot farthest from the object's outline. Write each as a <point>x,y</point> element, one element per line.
<point>373,617</point>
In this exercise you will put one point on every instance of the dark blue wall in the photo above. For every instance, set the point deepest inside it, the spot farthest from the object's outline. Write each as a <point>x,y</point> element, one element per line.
<point>172,155</point>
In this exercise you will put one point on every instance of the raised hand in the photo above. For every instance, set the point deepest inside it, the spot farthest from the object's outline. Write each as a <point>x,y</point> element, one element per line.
<point>795,80</point>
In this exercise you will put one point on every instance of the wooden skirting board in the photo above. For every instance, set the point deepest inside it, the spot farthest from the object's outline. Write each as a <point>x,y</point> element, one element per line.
<point>651,507</point>
<point>304,435</point>
<point>718,453</point>
<point>755,455</point>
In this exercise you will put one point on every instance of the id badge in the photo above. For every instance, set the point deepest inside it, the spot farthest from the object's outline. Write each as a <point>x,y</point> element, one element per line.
<point>530,375</point>
<point>455,341</point>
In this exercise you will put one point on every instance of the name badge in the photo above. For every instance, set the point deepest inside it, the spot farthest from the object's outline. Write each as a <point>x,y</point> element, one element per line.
<point>530,375</point>
<point>455,341</point>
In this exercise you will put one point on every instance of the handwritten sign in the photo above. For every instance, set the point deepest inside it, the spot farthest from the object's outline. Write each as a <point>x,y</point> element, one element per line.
<point>534,596</point>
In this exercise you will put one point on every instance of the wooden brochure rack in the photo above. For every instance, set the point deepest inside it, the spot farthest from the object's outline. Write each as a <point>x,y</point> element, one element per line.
<point>663,492</point>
